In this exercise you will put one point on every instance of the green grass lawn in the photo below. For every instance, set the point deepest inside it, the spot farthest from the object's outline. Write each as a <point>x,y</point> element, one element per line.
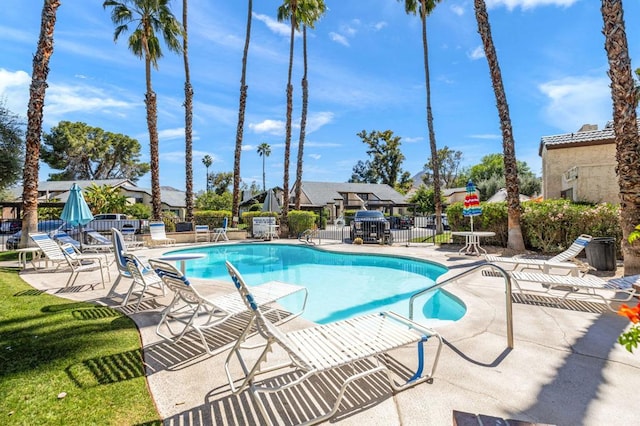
<point>68,363</point>
<point>443,238</point>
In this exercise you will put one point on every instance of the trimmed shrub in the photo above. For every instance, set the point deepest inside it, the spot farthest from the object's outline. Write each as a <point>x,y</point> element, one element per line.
<point>301,220</point>
<point>213,218</point>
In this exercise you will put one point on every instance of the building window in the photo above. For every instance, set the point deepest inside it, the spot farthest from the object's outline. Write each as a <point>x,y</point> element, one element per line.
<point>567,194</point>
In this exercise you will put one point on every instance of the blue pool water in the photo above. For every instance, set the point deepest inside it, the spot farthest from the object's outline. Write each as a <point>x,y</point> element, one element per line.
<point>341,285</point>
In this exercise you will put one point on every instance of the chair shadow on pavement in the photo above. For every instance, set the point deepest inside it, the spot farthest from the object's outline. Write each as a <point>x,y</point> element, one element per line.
<point>300,403</point>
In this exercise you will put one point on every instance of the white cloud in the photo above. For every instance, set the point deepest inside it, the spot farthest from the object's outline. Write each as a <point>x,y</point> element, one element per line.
<point>62,99</point>
<point>14,88</point>
<point>279,28</point>
<point>528,4</point>
<point>486,136</point>
<point>248,147</point>
<point>272,127</point>
<point>315,156</point>
<point>171,134</point>
<point>317,120</point>
<point>477,53</point>
<point>379,25</point>
<point>574,101</point>
<point>338,38</point>
<point>457,9</point>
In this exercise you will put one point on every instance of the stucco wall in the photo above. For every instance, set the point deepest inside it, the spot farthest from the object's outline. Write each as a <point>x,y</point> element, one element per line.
<point>596,181</point>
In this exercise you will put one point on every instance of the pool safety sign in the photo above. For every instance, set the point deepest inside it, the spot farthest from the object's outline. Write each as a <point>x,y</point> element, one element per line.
<point>263,226</point>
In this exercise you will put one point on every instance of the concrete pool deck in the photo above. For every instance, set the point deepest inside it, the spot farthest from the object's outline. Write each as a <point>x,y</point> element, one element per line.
<point>565,368</point>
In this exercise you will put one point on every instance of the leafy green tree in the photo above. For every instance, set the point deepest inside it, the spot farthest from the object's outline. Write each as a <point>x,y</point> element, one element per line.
<point>11,147</point>
<point>34,119</point>
<point>83,152</point>
<point>150,17</point>
<point>424,199</point>
<point>105,199</point>
<point>213,201</point>
<point>385,165</point>
<point>450,172</point>
<point>220,182</point>
<point>138,210</point>
<point>489,176</point>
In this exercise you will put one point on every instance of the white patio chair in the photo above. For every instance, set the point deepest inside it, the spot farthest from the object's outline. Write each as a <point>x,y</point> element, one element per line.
<point>189,310</point>
<point>129,238</point>
<point>202,233</point>
<point>565,260</point>
<point>159,235</point>
<point>323,348</point>
<point>220,233</point>
<point>146,284</point>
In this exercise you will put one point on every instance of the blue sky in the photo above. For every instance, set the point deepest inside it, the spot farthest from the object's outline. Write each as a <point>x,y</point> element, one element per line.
<point>365,73</point>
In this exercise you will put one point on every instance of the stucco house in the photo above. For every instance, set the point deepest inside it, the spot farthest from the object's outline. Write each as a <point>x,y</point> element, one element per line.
<point>338,197</point>
<point>173,200</point>
<point>580,166</point>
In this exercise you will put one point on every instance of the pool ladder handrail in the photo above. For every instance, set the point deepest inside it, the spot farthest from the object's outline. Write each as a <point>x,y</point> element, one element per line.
<point>307,236</point>
<point>507,284</point>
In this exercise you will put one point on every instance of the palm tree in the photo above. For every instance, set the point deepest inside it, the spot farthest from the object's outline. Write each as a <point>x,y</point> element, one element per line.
<point>311,11</point>
<point>515,241</point>
<point>288,10</point>
<point>207,161</point>
<point>264,150</point>
<point>425,9</point>
<point>150,17</point>
<point>188,119</point>
<point>235,207</point>
<point>625,127</point>
<point>34,119</point>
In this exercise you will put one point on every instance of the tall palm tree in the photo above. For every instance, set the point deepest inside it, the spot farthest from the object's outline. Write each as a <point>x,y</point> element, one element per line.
<point>625,127</point>
<point>150,17</point>
<point>34,119</point>
<point>235,208</point>
<point>425,8</point>
<point>188,119</point>
<point>515,242</point>
<point>264,150</point>
<point>311,12</point>
<point>207,161</point>
<point>288,10</point>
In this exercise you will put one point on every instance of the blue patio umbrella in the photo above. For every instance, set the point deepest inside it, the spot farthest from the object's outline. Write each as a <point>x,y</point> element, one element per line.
<point>76,212</point>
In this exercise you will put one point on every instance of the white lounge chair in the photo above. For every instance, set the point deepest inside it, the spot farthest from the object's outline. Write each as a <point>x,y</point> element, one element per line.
<point>566,260</point>
<point>146,284</point>
<point>202,233</point>
<point>129,238</point>
<point>585,287</point>
<point>159,235</point>
<point>101,243</point>
<point>323,348</point>
<point>66,256</point>
<point>189,310</point>
<point>220,233</point>
<point>120,249</point>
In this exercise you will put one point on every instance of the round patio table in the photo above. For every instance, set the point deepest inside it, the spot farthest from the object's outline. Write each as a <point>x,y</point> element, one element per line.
<point>472,241</point>
<point>182,258</point>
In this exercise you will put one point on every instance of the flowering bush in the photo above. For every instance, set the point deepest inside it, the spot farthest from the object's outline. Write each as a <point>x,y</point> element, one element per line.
<point>631,338</point>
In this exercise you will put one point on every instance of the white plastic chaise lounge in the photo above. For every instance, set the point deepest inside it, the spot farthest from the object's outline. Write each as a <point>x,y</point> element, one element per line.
<point>358,343</point>
<point>159,235</point>
<point>189,310</point>
<point>565,260</point>
<point>145,284</point>
<point>66,255</point>
<point>586,287</point>
<point>202,233</point>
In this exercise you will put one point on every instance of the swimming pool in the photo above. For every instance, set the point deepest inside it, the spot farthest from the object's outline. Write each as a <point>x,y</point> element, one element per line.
<point>341,285</point>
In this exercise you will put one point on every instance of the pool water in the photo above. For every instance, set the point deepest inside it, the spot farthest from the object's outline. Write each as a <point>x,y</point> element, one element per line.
<point>341,285</point>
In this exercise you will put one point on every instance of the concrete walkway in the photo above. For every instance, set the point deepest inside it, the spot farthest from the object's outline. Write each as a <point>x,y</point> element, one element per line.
<point>565,368</point>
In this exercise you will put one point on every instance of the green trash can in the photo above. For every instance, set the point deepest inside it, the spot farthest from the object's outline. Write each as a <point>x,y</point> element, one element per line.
<point>601,253</point>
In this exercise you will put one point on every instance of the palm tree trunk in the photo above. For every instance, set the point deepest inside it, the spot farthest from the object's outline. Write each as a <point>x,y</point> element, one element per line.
<point>284,226</point>
<point>188,120</point>
<point>515,241</point>
<point>432,135</point>
<point>152,125</point>
<point>240,129</point>
<point>303,119</point>
<point>625,127</point>
<point>34,120</point>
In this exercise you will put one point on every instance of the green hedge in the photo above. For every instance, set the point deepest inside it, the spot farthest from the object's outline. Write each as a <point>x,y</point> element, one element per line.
<point>300,221</point>
<point>213,218</point>
<point>548,226</point>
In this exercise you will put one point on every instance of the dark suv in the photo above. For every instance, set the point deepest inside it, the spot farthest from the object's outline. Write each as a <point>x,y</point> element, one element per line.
<point>371,226</point>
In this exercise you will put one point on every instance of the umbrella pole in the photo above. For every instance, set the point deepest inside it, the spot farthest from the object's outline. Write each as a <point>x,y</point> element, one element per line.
<point>471,223</point>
